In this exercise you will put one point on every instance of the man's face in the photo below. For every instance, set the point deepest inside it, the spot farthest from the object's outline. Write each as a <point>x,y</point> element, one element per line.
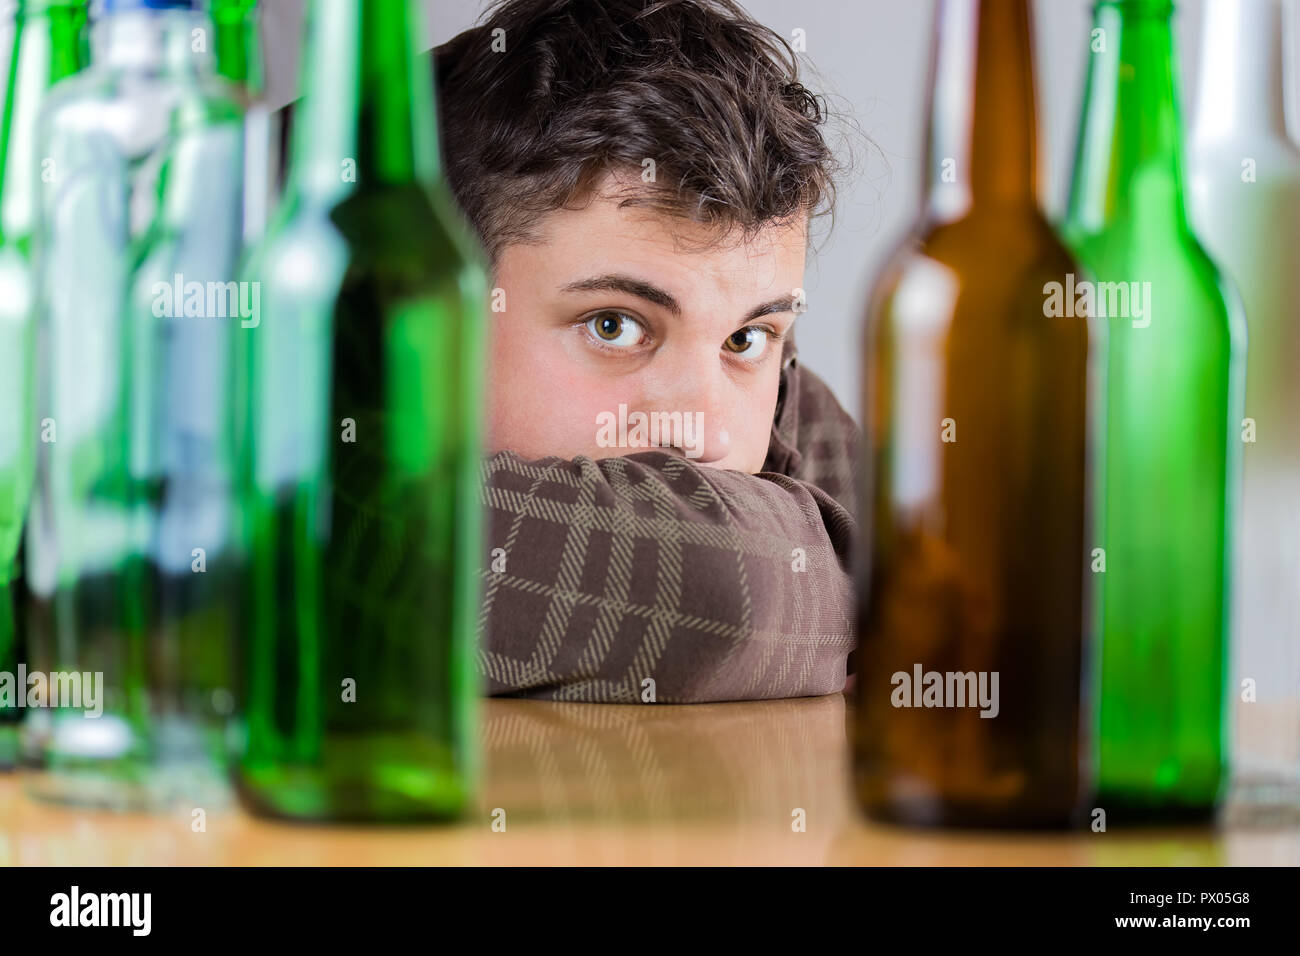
<point>633,308</point>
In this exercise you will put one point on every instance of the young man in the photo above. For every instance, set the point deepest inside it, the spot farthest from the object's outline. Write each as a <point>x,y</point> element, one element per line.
<point>642,175</point>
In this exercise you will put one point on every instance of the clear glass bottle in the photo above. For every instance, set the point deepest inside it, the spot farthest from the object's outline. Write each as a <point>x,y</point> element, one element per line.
<point>130,537</point>
<point>1245,196</point>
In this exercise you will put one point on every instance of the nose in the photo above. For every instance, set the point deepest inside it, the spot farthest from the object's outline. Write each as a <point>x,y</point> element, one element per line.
<point>690,392</point>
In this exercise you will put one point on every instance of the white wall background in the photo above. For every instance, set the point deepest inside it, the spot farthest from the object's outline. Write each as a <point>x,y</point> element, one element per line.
<point>871,57</point>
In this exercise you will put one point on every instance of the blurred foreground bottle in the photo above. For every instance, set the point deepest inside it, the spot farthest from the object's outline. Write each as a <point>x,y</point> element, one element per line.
<point>131,565</point>
<point>49,43</point>
<point>361,448</point>
<point>8,29</point>
<point>1245,188</point>
<point>972,631</point>
<point>1175,349</point>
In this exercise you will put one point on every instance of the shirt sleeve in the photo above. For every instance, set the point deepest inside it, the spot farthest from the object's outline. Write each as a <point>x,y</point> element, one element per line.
<point>813,438</point>
<point>649,577</point>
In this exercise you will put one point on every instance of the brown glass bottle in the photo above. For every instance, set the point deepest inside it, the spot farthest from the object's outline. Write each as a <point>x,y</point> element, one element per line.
<point>976,404</point>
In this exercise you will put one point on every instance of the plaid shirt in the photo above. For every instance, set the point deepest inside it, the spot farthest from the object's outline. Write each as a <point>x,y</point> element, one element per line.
<point>715,585</point>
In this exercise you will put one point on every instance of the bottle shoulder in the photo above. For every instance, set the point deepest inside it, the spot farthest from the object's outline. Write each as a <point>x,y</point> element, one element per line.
<point>394,230</point>
<point>1166,253</point>
<point>1276,149</point>
<point>1018,234</point>
<point>132,110</point>
<point>210,100</point>
<point>1176,277</point>
<point>995,252</point>
<point>990,292</point>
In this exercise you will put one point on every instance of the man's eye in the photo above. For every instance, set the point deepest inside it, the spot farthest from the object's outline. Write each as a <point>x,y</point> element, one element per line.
<point>749,343</point>
<point>616,329</point>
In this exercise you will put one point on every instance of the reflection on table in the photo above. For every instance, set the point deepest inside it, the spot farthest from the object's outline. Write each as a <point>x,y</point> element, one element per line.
<point>597,784</point>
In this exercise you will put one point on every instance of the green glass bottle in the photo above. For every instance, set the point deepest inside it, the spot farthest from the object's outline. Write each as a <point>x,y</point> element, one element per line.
<point>238,46</point>
<point>360,443</point>
<point>49,43</point>
<point>1173,400</point>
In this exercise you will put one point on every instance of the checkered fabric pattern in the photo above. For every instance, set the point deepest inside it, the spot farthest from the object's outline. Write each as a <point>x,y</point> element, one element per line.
<point>716,585</point>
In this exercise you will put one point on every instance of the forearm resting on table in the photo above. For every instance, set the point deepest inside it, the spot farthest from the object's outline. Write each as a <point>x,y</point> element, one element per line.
<point>614,579</point>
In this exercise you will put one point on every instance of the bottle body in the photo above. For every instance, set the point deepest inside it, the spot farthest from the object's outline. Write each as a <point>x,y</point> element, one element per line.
<point>361,514</point>
<point>1164,526</point>
<point>1175,341</point>
<point>979,434</point>
<point>131,558</point>
<point>1245,192</point>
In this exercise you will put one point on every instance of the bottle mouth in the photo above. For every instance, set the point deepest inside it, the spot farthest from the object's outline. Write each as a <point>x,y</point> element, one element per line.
<point>113,6</point>
<point>19,8</point>
<point>1150,7</point>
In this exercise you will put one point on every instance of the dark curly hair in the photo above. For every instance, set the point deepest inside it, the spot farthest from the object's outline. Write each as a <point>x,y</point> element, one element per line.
<point>589,87</point>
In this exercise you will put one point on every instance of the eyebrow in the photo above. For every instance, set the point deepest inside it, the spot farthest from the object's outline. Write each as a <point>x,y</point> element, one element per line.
<point>613,282</point>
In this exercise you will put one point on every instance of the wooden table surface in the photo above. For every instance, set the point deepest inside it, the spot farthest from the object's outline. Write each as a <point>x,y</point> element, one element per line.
<point>626,785</point>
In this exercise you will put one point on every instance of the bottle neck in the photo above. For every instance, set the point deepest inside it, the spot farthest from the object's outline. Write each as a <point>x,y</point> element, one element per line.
<point>49,44</point>
<point>367,112</point>
<point>1241,70</point>
<point>982,146</point>
<point>238,42</point>
<point>1130,146</point>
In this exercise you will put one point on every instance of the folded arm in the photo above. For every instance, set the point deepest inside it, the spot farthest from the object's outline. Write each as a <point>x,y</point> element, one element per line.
<point>603,576</point>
